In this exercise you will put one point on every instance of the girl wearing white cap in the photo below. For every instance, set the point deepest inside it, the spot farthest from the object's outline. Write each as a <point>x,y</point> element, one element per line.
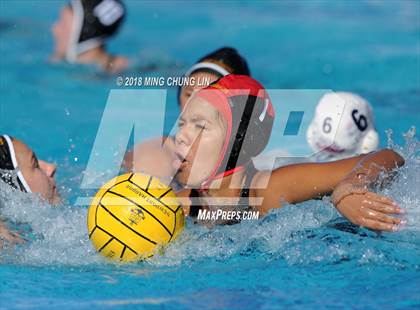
<point>20,169</point>
<point>342,127</point>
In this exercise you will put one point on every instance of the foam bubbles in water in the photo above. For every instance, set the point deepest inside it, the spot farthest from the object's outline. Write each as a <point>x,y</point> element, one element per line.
<point>314,232</point>
<point>406,188</point>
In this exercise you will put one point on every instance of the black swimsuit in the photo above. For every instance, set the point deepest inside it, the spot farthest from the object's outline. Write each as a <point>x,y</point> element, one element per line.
<point>242,205</point>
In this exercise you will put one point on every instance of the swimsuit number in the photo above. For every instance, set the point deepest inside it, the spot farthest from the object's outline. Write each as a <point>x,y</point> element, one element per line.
<point>361,123</point>
<point>326,126</point>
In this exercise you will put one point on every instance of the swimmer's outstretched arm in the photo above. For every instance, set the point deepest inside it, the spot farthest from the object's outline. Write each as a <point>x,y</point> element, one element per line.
<point>347,180</point>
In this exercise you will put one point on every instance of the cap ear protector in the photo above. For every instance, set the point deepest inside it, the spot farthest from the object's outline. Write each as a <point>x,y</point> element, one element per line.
<point>343,125</point>
<point>8,164</point>
<point>249,114</point>
<point>94,21</point>
<point>253,129</point>
<point>369,143</point>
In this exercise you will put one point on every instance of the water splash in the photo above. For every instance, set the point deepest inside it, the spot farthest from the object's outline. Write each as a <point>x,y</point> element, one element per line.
<point>308,233</point>
<point>313,232</point>
<point>406,188</point>
<point>55,235</point>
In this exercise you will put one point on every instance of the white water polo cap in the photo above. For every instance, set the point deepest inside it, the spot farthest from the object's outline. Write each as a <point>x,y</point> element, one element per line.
<point>9,169</point>
<point>343,126</point>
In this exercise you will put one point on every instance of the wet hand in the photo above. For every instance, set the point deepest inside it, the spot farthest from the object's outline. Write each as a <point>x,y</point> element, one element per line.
<point>372,211</point>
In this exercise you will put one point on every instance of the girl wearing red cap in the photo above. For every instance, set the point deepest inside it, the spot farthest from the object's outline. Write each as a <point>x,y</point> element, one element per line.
<point>226,124</point>
<point>151,157</point>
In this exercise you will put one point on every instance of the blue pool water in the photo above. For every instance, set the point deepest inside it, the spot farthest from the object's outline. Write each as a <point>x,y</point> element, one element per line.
<point>299,257</point>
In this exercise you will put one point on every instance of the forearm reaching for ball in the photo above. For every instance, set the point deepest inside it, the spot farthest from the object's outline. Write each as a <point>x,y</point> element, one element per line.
<point>357,203</point>
<point>347,179</point>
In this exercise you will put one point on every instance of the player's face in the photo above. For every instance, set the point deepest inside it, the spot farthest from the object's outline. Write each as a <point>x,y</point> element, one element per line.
<point>39,174</point>
<point>198,142</point>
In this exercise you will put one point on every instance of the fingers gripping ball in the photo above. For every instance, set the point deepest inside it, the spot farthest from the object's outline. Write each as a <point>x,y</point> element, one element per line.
<point>132,215</point>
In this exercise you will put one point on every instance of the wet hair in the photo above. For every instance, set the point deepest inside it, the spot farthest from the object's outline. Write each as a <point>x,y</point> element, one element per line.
<point>229,58</point>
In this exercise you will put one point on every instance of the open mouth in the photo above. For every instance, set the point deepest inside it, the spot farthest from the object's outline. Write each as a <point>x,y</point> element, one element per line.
<point>179,162</point>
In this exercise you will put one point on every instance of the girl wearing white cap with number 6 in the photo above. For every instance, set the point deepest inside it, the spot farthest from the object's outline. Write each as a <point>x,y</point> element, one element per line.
<point>342,127</point>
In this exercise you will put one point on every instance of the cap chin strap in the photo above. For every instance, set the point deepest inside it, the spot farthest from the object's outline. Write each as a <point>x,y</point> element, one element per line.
<point>206,184</point>
<point>78,15</point>
<point>20,176</point>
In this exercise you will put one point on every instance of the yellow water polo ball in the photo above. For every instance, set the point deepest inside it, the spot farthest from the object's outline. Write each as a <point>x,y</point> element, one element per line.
<point>132,216</point>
